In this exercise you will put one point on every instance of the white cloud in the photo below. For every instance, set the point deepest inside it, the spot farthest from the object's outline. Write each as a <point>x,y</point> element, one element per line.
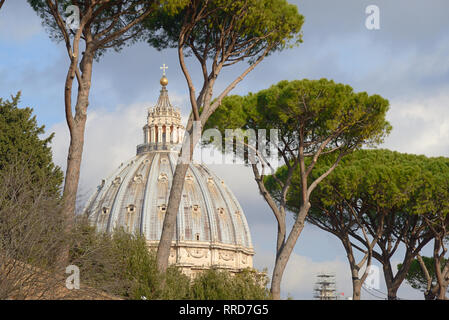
<point>301,274</point>
<point>420,125</point>
<point>111,138</point>
<point>13,12</point>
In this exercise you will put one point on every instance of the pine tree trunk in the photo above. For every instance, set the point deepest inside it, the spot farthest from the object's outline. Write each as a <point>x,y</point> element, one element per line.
<point>356,281</point>
<point>72,176</point>
<point>168,229</point>
<point>191,138</point>
<point>442,291</point>
<point>356,288</point>
<point>285,252</point>
<point>280,238</point>
<point>388,274</point>
<point>77,126</point>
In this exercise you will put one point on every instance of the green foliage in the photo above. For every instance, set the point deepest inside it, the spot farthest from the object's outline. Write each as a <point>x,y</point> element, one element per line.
<point>380,179</point>
<point>121,264</point>
<point>381,191</point>
<point>20,142</point>
<point>108,20</point>
<point>415,276</point>
<point>433,196</point>
<point>375,183</point>
<point>221,285</point>
<point>318,109</point>
<point>258,24</point>
<point>31,226</point>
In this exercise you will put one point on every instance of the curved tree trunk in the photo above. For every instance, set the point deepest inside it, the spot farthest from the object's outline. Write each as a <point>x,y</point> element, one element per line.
<point>393,293</point>
<point>285,252</point>
<point>72,175</point>
<point>431,294</point>
<point>192,136</point>
<point>356,281</point>
<point>168,229</point>
<point>77,126</point>
<point>442,276</point>
<point>393,282</point>
<point>442,292</point>
<point>280,217</point>
<point>280,239</point>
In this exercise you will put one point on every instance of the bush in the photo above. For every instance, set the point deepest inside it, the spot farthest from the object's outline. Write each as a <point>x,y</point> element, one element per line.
<point>222,285</point>
<point>32,234</point>
<point>20,138</point>
<point>121,264</point>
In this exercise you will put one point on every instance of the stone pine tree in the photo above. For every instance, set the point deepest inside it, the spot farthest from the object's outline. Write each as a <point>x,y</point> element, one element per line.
<point>410,226</point>
<point>20,142</point>
<point>374,202</point>
<point>355,201</point>
<point>437,286</point>
<point>434,206</point>
<point>1,3</point>
<point>314,118</point>
<point>218,34</point>
<point>421,276</point>
<point>92,27</point>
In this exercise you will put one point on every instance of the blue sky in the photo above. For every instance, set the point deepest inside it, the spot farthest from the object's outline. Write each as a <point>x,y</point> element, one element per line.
<point>406,61</point>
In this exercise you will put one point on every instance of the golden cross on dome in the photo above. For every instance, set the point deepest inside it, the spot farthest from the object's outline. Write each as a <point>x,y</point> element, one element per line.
<point>163,69</point>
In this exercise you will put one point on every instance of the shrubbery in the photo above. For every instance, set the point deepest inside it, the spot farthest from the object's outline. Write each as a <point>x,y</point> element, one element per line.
<point>33,234</point>
<point>121,264</point>
<point>221,285</point>
<point>31,224</point>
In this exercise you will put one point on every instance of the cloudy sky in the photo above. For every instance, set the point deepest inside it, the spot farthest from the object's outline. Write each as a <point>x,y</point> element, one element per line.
<point>406,61</point>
